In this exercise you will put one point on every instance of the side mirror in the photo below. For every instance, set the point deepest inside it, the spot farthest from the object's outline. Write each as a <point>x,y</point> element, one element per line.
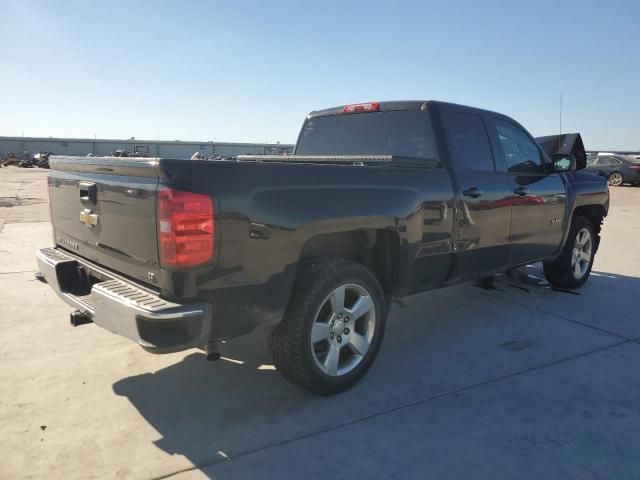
<point>563,162</point>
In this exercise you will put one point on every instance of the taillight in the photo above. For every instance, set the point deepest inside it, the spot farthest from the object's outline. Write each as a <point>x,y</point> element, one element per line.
<point>634,167</point>
<point>185,228</point>
<point>361,107</point>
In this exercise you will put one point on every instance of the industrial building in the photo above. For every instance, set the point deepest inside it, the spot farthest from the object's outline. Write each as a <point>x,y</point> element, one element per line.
<point>18,146</point>
<point>154,148</point>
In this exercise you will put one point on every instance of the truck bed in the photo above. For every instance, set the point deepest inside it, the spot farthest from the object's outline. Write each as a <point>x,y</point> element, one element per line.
<point>284,193</point>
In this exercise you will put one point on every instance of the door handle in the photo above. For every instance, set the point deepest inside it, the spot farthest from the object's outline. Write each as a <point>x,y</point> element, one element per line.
<point>521,191</point>
<point>473,192</point>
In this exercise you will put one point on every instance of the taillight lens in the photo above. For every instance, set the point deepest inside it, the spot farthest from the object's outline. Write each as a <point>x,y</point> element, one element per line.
<point>185,228</point>
<point>634,167</point>
<point>361,107</point>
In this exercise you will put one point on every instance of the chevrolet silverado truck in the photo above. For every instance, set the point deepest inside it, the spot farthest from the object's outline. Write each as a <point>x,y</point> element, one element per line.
<point>378,201</point>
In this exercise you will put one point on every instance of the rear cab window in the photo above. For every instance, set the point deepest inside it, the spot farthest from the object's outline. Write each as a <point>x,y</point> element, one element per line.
<point>400,133</point>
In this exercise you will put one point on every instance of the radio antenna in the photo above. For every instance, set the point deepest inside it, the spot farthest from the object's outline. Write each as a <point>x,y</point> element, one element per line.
<point>560,135</point>
<point>560,113</point>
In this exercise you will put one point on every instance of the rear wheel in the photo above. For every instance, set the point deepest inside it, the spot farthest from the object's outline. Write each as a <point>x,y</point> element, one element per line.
<point>573,267</point>
<point>332,329</point>
<point>616,179</point>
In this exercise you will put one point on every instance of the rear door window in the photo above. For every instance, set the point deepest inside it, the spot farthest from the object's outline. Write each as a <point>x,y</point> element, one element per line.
<point>470,141</point>
<point>402,133</point>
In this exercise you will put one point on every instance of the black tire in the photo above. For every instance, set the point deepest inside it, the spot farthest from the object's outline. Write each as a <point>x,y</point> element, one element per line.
<point>616,179</point>
<point>294,356</point>
<point>560,272</point>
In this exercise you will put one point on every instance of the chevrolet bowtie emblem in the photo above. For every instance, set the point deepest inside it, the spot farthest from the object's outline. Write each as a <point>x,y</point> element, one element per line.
<point>88,218</point>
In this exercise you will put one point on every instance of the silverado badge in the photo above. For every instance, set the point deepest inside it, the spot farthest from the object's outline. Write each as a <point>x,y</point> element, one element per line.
<point>88,218</point>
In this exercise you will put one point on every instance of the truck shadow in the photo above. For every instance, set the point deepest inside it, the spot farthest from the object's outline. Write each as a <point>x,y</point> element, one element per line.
<point>211,411</point>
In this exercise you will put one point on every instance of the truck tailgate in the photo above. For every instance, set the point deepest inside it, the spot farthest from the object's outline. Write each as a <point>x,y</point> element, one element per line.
<point>104,209</point>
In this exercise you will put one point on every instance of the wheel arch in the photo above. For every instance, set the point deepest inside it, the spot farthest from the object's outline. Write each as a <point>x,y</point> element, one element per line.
<point>595,214</point>
<point>376,249</point>
<point>619,173</point>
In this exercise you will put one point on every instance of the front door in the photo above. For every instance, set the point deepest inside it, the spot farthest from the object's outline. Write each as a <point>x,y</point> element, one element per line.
<point>538,198</point>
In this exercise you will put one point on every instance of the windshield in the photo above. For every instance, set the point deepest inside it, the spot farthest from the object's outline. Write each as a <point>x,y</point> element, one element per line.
<point>403,133</point>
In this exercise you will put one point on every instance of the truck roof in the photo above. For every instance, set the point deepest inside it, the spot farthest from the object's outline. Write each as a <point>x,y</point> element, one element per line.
<point>400,105</point>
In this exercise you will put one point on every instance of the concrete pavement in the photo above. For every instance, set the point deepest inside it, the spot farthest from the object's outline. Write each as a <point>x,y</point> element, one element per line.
<point>521,381</point>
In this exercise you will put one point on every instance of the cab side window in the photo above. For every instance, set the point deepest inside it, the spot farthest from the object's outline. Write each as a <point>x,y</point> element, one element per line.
<point>521,154</point>
<point>470,141</point>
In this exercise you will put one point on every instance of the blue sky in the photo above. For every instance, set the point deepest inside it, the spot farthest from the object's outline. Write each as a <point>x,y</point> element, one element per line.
<point>251,70</point>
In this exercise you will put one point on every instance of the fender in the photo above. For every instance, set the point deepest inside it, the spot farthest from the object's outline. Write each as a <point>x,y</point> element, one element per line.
<point>584,189</point>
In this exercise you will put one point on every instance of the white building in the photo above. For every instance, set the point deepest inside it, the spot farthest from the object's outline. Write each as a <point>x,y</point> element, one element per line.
<point>154,148</point>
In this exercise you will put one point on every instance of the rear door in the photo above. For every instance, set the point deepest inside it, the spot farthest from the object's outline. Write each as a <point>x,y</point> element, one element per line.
<point>610,164</point>
<point>482,197</point>
<point>538,197</point>
<point>605,163</point>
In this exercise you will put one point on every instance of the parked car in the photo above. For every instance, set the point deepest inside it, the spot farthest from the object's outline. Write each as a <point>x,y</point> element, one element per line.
<point>618,169</point>
<point>379,200</point>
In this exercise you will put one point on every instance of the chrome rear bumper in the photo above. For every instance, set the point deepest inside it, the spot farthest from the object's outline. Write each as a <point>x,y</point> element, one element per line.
<point>124,308</point>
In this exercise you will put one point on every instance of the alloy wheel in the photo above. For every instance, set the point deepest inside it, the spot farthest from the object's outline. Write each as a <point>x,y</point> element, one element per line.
<point>343,329</point>
<point>581,255</point>
<point>615,179</point>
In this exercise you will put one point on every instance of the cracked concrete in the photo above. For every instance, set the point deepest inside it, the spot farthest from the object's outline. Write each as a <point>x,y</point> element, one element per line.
<point>520,382</point>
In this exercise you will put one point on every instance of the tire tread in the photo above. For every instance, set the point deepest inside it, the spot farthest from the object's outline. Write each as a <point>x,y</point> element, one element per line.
<point>558,272</point>
<point>288,343</point>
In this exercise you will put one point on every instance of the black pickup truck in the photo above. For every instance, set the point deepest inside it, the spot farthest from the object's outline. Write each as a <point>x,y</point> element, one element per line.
<point>379,200</point>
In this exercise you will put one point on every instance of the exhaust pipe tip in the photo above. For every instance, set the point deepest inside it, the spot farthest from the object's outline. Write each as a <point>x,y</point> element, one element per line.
<point>79,318</point>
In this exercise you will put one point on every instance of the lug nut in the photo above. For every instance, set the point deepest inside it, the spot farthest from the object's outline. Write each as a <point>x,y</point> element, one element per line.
<point>331,335</point>
<point>339,339</point>
<point>346,331</point>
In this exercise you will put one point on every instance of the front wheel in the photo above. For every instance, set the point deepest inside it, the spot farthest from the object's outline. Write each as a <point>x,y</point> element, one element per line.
<point>332,329</point>
<point>573,267</point>
<point>615,179</point>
